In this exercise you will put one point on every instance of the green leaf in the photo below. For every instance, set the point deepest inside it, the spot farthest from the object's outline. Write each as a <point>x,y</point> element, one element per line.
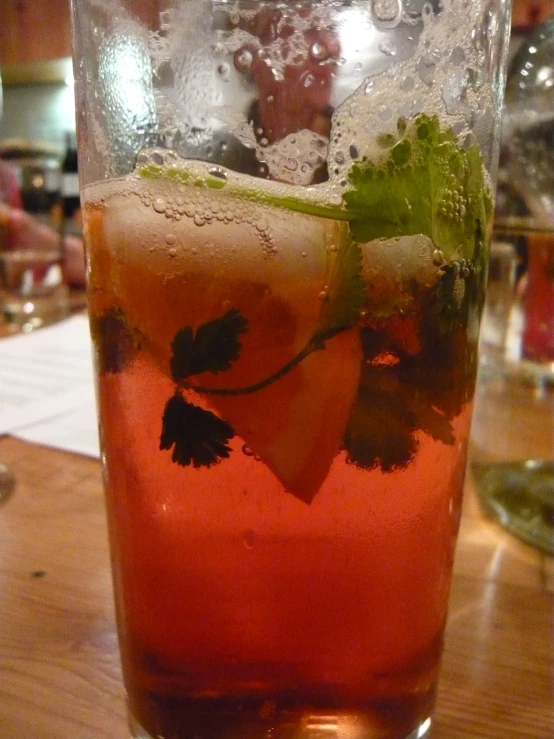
<point>212,349</point>
<point>198,437</point>
<point>115,344</point>
<point>427,184</point>
<point>346,292</point>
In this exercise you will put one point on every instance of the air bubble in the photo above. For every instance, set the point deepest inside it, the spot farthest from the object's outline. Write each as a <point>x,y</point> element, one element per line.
<point>438,258</point>
<point>246,450</point>
<point>249,539</point>
<point>172,253</point>
<point>353,151</point>
<point>159,205</point>
<point>324,294</point>
<point>368,86</point>
<point>218,49</point>
<point>170,239</point>
<point>339,157</point>
<point>199,220</point>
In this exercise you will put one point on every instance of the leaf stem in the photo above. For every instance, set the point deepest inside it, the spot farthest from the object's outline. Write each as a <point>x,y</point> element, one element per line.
<point>316,343</point>
<point>297,205</point>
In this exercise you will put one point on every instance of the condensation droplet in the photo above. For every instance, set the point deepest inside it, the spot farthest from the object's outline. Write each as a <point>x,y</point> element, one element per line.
<point>242,60</point>
<point>387,47</point>
<point>385,113</point>
<point>407,84</point>
<point>319,51</point>
<point>218,172</point>
<point>249,539</point>
<point>223,71</point>
<point>457,56</point>
<point>386,13</point>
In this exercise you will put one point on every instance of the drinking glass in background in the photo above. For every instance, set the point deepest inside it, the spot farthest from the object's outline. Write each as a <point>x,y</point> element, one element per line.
<point>517,368</point>
<point>286,217</point>
<point>33,291</point>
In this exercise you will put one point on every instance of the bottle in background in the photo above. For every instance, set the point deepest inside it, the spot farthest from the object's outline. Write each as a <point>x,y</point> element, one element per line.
<point>71,222</point>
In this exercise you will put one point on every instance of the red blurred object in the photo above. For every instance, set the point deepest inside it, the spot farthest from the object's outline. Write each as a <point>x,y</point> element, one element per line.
<point>538,332</point>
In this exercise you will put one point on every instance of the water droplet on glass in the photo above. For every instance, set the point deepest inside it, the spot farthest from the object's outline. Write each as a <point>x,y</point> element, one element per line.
<point>385,113</point>
<point>223,71</point>
<point>387,46</point>
<point>242,60</point>
<point>457,56</point>
<point>319,51</point>
<point>218,172</point>
<point>386,13</point>
<point>368,87</point>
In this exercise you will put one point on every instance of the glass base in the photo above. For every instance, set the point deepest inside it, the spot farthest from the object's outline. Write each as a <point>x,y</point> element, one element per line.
<point>520,495</point>
<point>322,727</point>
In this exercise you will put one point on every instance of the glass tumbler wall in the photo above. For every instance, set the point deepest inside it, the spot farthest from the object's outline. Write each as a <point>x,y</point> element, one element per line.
<point>286,215</point>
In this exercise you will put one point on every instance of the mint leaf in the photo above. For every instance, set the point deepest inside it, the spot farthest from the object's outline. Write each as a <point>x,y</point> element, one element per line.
<point>212,349</point>
<point>428,184</point>
<point>346,292</point>
<point>198,437</point>
<point>380,432</point>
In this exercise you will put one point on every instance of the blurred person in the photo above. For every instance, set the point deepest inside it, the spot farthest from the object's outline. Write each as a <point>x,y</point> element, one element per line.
<point>25,232</point>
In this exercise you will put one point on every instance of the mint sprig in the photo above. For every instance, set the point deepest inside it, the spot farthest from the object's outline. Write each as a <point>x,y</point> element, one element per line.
<point>428,184</point>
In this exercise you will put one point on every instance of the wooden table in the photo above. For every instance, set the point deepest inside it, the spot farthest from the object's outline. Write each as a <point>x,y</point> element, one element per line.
<point>59,670</point>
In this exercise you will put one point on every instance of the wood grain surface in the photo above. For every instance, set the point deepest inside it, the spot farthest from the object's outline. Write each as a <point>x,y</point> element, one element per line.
<point>59,668</point>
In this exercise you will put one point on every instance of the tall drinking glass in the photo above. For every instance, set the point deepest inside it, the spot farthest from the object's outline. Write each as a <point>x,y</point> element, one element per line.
<point>286,214</point>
